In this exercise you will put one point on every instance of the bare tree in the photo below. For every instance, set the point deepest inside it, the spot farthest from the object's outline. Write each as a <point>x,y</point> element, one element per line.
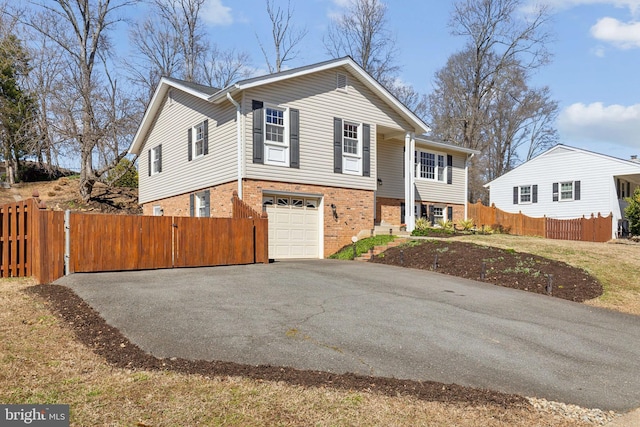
<point>285,37</point>
<point>184,18</point>
<point>362,32</point>
<point>80,28</point>
<point>481,98</point>
<point>222,68</point>
<point>158,53</point>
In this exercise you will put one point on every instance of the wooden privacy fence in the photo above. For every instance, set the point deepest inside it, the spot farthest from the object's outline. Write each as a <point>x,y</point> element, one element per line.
<point>32,241</point>
<point>594,229</point>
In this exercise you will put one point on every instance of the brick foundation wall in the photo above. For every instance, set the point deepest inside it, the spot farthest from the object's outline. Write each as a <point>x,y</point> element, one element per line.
<point>388,210</point>
<point>354,208</point>
<point>219,202</point>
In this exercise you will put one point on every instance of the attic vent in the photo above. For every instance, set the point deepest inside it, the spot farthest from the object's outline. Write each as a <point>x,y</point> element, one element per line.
<point>341,82</point>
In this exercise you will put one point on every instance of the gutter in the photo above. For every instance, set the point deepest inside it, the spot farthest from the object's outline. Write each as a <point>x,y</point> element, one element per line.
<point>239,141</point>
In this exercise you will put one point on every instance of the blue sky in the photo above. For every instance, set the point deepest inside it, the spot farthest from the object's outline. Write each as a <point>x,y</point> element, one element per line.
<point>594,74</point>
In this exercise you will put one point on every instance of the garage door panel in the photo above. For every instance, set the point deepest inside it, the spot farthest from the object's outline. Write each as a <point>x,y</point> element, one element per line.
<point>293,231</point>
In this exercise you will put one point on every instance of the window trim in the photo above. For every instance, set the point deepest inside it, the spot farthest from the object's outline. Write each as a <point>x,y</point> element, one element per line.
<point>194,130</point>
<point>286,130</point>
<point>200,204</point>
<point>357,156</point>
<point>560,192</point>
<point>417,167</point>
<point>156,159</point>
<point>520,195</point>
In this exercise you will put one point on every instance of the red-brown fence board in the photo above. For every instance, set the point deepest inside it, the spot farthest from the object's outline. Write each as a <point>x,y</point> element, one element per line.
<point>15,235</point>
<point>119,242</point>
<point>594,229</point>
<point>32,241</point>
<point>47,246</point>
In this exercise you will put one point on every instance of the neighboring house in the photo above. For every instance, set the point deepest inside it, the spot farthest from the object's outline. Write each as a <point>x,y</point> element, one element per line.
<point>325,150</point>
<point>567,182</point>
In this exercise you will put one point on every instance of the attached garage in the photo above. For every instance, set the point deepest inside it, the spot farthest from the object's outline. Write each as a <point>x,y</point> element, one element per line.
<point>294,225</point>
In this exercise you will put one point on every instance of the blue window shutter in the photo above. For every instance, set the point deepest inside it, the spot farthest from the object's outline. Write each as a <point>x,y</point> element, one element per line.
<point>555,191</point>
<point>337,145</point>
<point>189,144</point>
<point>515,195</point>
<point>366,150</point>
<point>206,136</point>
<point>207,198</point>
<point>534,194</point>
<point>294,138</point>
<point>576,190</point>
<point>450,213</point>
<point>149,162</point>
<point>192,204</point>
<point>449,169</point>
<point>258,131</point>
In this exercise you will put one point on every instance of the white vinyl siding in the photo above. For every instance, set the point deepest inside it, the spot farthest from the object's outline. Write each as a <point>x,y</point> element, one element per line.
<point>564,165</point>
<point>179,176</point>
<point>318,101</point>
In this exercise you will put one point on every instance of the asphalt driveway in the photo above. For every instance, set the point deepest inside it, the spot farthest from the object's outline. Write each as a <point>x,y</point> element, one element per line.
<point>377,320</point>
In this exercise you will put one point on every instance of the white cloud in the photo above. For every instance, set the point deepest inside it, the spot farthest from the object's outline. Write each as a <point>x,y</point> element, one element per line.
<point>215,13</point>
<point>620,34</point>
<point>599,51</point>
<point>632,5</point>
<point>617,124</point>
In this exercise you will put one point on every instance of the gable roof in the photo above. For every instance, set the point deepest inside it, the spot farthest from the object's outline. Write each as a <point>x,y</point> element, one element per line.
<point>216,96</point>
<point>563,147</point>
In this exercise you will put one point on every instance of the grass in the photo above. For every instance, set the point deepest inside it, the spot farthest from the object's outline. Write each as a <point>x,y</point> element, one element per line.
<point>362,246</point>
<point>41,362</point>
<point>617,266</point>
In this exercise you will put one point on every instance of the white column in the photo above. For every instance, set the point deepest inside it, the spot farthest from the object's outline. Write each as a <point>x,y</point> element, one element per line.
<point>409,181</point>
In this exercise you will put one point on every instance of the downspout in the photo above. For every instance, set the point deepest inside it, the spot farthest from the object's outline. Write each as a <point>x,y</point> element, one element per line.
<point>409,183</point>
<point>466,186</point>
<point>239,141</point>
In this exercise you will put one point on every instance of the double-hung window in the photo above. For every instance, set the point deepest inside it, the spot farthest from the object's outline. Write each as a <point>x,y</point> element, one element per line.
<point>525,194</point>
<point>156,160</point>
<point>351,148</point>
<point>201,205</point>
<point>431,166</point>
<point>566,190</point>
<point>276,142</point>
<point>198,145</point>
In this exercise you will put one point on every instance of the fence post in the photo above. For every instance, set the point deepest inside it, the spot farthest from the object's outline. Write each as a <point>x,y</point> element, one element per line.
<point>67,242</point>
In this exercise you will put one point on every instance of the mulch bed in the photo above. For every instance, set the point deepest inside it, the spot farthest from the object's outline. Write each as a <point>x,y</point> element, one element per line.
<point>502,267</point>
<point>108,342</point>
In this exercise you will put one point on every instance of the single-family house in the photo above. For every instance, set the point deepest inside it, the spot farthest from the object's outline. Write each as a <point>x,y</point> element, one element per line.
<point>567,182</point>
<point>324,149</point>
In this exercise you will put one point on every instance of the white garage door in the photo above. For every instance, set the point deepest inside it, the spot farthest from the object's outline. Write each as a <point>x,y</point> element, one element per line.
<point>293,226</point>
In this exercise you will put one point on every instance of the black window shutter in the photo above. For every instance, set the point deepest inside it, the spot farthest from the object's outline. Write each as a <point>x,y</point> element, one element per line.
<point>534,194</point>
<point>576,190</point>
<point>189,144</point>
<point>555,191</point>
<point>149,162</point>
<point>403,209</point>
<point>205,125</point>
<point>366,150</point>
<point>207,196</point>
<point>258,131</point>
<point>515,195</point>
<point>192,206</point>
<point>450,213</point>
<point>449,169</point>
<point>431,215</point>
<point>337,145</point>
<point>423,211</point>
<point>628,189</point>
<point>294,138</point>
